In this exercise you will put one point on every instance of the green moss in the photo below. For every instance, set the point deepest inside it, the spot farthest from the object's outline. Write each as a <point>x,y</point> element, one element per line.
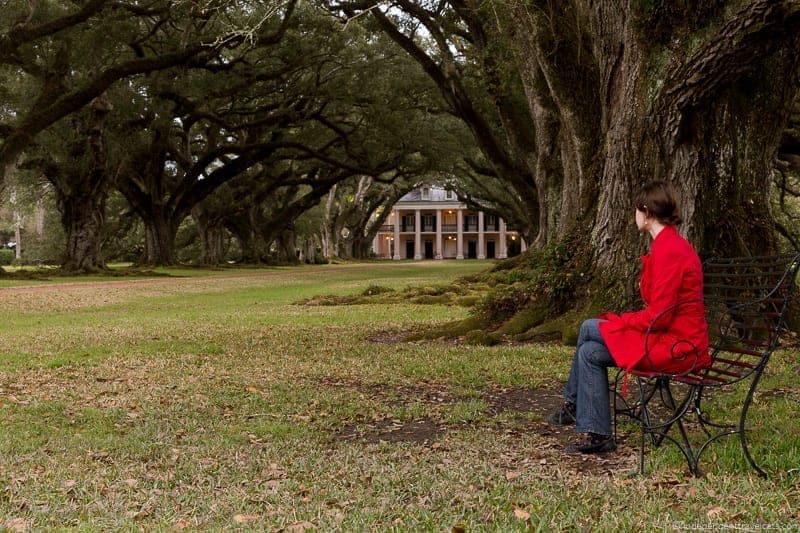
<point>451,329</point>
<point>478,337</point>
<point>467,301</point>
<point>441,299</point>
<point>525,320</point>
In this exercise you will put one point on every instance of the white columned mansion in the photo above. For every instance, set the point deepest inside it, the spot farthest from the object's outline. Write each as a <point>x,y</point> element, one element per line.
<point>430,223</point>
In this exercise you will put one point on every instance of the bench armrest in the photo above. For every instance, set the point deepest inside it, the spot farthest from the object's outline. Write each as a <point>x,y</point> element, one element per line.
<point>681,349</point>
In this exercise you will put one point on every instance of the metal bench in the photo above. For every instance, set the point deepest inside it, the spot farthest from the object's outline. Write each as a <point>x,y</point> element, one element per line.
<point>746,300</point>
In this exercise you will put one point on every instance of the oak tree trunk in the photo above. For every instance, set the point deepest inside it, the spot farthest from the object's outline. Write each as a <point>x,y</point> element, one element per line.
<point>83,218</point>
<point>82,188</point>
<point>625,92</point>
<point>697,93</point>
<point>212,235</point>
<point>159,238</point>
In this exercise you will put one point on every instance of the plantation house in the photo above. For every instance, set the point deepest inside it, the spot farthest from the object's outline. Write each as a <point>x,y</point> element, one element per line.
<point>430,223</point>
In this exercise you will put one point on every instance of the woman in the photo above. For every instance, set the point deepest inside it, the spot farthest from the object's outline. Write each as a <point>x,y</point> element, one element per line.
<point>671,286</point>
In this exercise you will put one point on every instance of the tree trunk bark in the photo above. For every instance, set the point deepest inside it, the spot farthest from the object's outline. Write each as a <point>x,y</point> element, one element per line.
<point>361,247</point>
<point>704,112</point>
<point>82,191</point>
<point>212,237</point>
<point>83,218</point>
<point>286,247</point>
<point>159,239</point>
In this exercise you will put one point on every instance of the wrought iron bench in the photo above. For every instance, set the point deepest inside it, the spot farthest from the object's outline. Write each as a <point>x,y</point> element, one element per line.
<point>746,301</point>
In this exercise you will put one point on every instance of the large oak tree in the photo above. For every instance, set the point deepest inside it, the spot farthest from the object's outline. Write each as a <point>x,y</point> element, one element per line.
<point>616,92</point>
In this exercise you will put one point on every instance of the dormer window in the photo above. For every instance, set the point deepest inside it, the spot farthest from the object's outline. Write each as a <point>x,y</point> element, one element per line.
<point>426,193</point>
<point>450,195</point>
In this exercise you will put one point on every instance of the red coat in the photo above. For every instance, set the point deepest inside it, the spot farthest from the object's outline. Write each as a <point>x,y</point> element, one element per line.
<point>672,273</point>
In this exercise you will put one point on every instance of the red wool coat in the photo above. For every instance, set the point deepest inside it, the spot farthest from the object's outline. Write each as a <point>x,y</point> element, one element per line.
<point>672,273</point>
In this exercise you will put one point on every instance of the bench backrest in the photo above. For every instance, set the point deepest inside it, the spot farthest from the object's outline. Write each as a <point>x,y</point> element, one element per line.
<point>747,299</point>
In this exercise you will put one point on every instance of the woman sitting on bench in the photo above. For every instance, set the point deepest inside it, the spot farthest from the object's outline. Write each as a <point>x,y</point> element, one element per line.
<point>671,273</point>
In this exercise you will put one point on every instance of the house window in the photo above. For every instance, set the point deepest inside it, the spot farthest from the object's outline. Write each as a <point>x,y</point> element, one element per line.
<point>409,222</point>
<point>428,222</point>
<point>450,195</point>
<point>426,193</point>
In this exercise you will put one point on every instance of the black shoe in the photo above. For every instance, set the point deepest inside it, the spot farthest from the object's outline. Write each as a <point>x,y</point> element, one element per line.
<point>563,417</point>
<point>593,444</point>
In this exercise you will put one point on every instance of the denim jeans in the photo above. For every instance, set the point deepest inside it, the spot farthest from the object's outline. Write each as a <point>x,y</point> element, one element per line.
<point>587,386</point>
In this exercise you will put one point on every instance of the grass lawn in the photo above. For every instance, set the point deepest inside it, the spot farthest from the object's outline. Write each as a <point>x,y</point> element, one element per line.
<point>212,400</point>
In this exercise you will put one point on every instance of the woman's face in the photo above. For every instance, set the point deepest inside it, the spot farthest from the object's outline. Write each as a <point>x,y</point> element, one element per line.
<point>641,220</point>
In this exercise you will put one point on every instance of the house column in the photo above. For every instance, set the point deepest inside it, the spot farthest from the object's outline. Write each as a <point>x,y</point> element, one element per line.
<point>460,230</point>
<point>376,245</point>
<point>503,252</point>
<point>481,237</point>
<point>396,234</point>
<point>417,236</point>
<point>439,251</point>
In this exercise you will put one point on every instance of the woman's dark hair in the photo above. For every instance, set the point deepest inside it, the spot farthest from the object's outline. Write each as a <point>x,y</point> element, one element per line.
<point>659,199</point>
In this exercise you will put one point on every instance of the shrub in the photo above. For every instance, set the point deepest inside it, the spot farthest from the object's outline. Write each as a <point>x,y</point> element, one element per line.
<point>7,256</point>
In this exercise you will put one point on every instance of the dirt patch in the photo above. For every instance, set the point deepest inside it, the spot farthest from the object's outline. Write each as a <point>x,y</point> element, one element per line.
<point>531,404</point>
<point>538,402</point>
<point>422,431</point>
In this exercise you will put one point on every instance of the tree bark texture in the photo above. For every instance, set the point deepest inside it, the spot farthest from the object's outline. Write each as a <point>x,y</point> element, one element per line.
<point>160,230</point>
<point>212,235</point>
<point>623,92</point>
<point>82,188</point>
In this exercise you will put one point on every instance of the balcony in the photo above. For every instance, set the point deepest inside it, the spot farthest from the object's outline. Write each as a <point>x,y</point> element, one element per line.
<point>386,228</point>
<point>449,228</point>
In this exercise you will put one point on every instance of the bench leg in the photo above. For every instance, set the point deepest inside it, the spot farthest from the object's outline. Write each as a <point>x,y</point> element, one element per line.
<point>659,430</point>
<point>742,426</point>
<point>727,429</point>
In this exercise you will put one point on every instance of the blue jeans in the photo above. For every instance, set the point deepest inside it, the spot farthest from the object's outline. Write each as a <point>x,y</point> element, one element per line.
<point>587,386</point>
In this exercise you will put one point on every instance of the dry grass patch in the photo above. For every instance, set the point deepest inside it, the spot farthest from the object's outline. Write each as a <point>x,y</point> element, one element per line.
<point>220,403</point>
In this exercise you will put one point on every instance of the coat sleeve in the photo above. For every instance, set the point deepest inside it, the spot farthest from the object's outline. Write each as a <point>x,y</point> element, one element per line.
<point>666,270</point>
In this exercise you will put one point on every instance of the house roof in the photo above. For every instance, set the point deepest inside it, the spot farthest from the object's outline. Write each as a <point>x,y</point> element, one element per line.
<point>436,194</point>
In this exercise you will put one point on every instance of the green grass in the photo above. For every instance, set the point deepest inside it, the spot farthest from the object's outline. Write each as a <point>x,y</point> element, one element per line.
<point>211,400</point>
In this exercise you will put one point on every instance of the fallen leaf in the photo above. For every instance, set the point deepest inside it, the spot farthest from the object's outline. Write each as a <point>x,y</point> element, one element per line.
<point>181,524</point>
<point>131,482</point>
<point>512,475</point>
<point>17,525</point>
<point>715,512</point>
<point>522,515</point>
<point>245,518</point>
